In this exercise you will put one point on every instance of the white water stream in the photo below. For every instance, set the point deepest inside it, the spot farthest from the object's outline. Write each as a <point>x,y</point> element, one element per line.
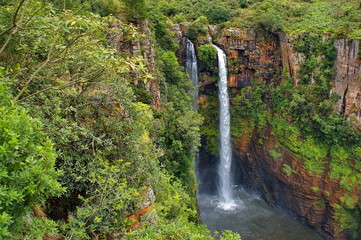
<point>192,69</point>
<point>226,201</point>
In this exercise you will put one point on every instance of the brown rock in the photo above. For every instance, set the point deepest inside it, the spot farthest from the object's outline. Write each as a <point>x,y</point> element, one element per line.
<point>250,57</point>
<point>142,47</point>
<point>347,82</point>
<point>311,197</point>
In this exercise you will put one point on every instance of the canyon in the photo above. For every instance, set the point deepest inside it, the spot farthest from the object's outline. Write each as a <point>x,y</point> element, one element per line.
<point>269,59</point>
<point>266,58</point>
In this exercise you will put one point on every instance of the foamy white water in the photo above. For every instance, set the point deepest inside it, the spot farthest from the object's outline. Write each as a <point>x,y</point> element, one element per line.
<point>226,201</point>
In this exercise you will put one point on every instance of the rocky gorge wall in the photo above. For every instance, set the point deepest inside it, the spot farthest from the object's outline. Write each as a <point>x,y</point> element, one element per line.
<point>142,47</point>
<point>255,57</point>
<point>311,198</point>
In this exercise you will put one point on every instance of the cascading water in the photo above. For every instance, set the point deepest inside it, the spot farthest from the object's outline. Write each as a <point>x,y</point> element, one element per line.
<point>192,69</point>
<point>226,201</point>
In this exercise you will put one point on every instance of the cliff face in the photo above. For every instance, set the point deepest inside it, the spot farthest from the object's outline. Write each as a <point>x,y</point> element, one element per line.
<point>251,57</point>
<point>347,83</point>
<point>313,198</point>
<point>144,48</point>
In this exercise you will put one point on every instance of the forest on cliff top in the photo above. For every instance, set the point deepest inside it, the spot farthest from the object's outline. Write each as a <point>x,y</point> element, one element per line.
<point>94,137</point>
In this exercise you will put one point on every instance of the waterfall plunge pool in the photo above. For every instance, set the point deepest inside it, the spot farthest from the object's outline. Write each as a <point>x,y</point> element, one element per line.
<point>253,219</point>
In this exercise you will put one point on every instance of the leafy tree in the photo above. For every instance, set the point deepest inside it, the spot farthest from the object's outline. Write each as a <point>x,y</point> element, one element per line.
<point>135,9</point>
<point>197,28</point>
<point>27,173</point>
<point>217,14</point>
<point>173,72</point>
<point>207,54</point>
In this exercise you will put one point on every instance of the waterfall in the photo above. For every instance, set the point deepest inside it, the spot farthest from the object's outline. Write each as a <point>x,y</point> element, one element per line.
<point>226,201</point>
<point>192,69</point>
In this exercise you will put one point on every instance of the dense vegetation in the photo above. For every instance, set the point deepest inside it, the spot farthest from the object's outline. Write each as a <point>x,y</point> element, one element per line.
<point>85,141</point>
<point>339,17</point>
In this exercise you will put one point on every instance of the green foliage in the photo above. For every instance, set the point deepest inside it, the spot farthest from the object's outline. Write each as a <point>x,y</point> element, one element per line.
<point>207,54</point>
<point>340,17</point>
<point>246,3</point>
<point>112,192</point>
<point>27,173</point>
<point>164,230</point>
<point>110,147</point>
<point>142,95</point>
<point>349,219</point>
<point>164,35</point>
<point>315,68</point>
<point>287,169</point>
<point>229,235</point>
<point>102,7</point>
<point>197,28</point>
<point>181,124</point>
<point>276,155</point>
<point>324,16</point>
<point>249,104</point>
<point>210,129</point>
<point>270,21</point>
<point>134,9</point>
<point>173,73</point>
<point>217,14</point>
<point>315,189</point>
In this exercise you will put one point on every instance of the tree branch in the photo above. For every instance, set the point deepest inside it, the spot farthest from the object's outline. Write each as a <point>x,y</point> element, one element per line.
<point>14,24</point>
<point>17,11</point>
<point>36,12</point>
<point>36,72</point>
<point>64,86</point>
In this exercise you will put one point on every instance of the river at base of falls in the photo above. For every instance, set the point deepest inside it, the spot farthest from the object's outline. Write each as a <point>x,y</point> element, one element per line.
<point>253,219</point>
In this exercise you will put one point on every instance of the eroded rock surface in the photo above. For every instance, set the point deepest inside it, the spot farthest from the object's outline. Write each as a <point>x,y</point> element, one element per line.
<point>251,57</point>
<point>347,83</point>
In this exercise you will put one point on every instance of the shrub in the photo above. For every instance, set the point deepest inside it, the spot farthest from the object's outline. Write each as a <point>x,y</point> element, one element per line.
<point>27,174</point>
<point>197,28</point>
<point>207,54</point>
<point>217,14</point>
<point>269,21</point>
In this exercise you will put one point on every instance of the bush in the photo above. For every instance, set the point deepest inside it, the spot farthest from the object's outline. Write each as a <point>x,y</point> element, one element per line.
<point>207,54</point>
<point>217,14</point>
<point>269,21</point>
<point>246,3</point>
<point>27,174</point>
<point>197,28</point>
